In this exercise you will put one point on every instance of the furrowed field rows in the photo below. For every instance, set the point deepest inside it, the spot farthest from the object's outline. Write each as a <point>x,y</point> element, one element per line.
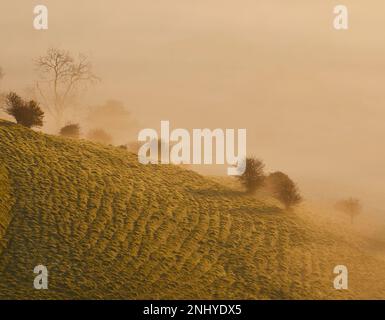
<point>108,227</point>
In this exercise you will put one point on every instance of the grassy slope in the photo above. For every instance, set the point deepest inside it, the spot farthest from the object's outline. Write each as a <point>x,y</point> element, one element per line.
<point>108,227</point>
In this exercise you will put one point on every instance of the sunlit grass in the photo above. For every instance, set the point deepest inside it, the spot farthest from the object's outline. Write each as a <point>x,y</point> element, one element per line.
<point>108,227</point>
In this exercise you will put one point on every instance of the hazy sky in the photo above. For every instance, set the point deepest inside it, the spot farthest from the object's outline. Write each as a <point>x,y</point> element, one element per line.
<point>311,97</point>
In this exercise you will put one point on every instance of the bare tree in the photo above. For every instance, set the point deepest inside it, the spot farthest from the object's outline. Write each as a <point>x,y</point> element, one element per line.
<point>351,207</point>
<point>61,78</point>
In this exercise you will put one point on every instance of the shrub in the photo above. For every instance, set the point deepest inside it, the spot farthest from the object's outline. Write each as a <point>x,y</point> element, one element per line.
<point>133,146</point>
<point>283,189</point>
<point>99,135</point>
<point>28,114</point>
<point>253,177</point>
<point>71,130</point>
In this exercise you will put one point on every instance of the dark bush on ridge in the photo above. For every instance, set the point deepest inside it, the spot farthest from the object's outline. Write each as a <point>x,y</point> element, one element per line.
<point>283,189</point>
<point>99,135</point>
<point>71,130</point>
<point>253,177</point>
<point>28,114</point>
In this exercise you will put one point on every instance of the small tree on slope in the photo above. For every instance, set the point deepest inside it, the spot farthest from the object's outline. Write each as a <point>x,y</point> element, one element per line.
<point>284,189</point>
<point>71,130</point>
<point>28,114</point>
<point>351,207</point>
<point>253,177</point>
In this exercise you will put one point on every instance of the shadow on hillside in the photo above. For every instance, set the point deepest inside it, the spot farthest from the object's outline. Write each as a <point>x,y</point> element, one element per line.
<point>4,123</point>
<point>215,192</point>
<point>250,207</point>
<point>264,209</point>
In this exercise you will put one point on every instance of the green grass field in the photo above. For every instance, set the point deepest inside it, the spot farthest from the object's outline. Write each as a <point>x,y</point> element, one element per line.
<point>107,227</point>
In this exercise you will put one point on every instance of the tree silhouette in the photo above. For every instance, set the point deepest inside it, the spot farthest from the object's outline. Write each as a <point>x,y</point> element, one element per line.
<point>28,114</point>
<point>61,77</point>
<point>99,135</point>
<point>253,177</point>
<point>351,207</point>
<point>283,189</point>
<point>71,130</point>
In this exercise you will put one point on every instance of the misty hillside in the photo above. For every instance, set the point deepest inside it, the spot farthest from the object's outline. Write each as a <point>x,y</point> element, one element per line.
<point>107,227</point>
